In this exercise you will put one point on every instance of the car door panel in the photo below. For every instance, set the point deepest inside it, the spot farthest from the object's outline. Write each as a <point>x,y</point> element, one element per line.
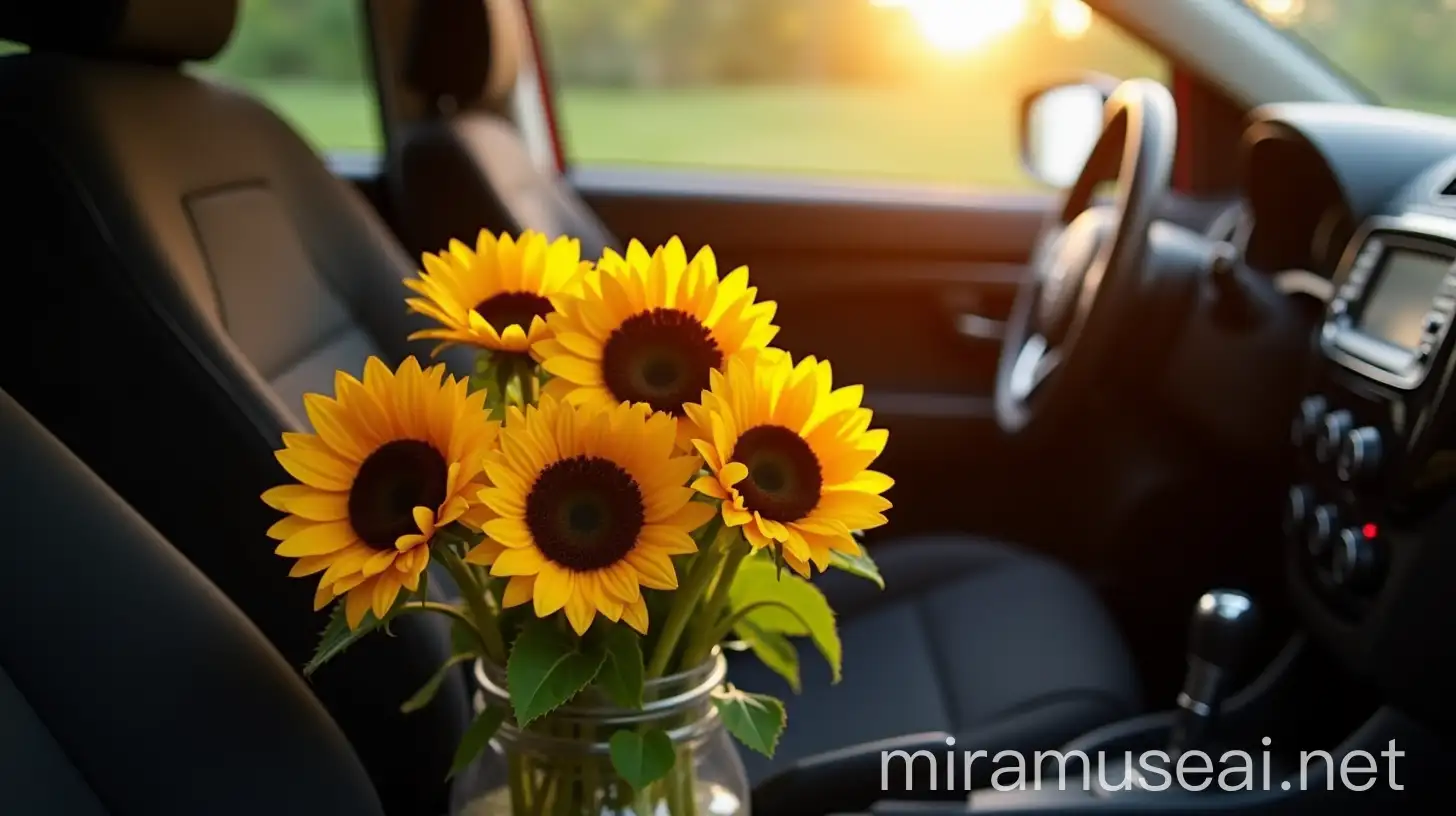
<point>903,290</point>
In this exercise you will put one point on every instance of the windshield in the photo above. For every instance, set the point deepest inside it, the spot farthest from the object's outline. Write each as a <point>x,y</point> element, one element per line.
<point>1400,50</point>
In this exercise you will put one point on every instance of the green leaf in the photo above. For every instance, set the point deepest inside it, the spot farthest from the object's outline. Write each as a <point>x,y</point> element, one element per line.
<point>757,720</point>
<point>622,673</point>
<point>860,566</point>
<point>546,669</point>
<point>427,692</point>
<point>337,637</point>
<point>641,759</point>
<point>486,723</point>
<point>773,649</point>
<point>758,582</point>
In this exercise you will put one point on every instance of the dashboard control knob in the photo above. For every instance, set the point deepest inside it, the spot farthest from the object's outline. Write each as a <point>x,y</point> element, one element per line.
<point>1298,508</point>
<point>1353,563</point>
<point>1324,524</point>
<point>1309,422</point>
<point>1327,445</point>
<point>1359,455</point>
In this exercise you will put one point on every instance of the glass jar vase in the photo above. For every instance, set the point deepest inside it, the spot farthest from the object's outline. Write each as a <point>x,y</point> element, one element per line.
<point>560,765</point>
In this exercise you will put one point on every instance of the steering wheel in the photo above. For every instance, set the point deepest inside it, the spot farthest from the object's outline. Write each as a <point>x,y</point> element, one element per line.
<point>1087,273</point>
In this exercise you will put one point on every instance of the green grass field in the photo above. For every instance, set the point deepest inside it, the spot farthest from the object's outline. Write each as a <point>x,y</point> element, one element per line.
<point>928,135</point>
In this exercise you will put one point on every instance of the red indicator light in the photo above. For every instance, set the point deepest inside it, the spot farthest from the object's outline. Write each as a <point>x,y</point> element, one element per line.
<point>1370,531</point>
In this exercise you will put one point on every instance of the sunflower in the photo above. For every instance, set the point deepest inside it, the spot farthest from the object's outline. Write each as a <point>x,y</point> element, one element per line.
<point>650,328</point>
<point>391,460</point>
<point>497,296</point>
<point>591,506</point>
<point>788,456</point>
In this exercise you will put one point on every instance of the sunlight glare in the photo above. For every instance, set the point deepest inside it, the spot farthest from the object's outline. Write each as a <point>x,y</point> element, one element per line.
<point>1279,12</point>
<point>963,26</point>
<point>1071,19</point>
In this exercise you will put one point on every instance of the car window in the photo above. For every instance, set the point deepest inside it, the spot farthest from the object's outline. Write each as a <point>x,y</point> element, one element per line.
<point>309,61</point>
<point>1399,50</point>
<point>922,90</point>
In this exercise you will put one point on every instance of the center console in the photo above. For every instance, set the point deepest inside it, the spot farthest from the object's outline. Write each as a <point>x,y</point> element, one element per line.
<point>1369,524</point>
<point>1366,434</point>
<point>1370,548</point>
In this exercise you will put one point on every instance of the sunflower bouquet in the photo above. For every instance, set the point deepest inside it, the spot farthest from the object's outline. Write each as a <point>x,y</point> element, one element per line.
<point>630,480</point>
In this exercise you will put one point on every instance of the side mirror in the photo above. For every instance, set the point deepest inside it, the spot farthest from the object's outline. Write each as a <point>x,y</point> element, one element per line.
<point>1060,126</point>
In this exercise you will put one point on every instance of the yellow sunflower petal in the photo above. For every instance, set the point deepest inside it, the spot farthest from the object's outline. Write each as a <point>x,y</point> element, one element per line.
<point>288,526</point>
<point>573,369</point>
<point>323,596</point>
<point>336,428</point>
<point>317,468</point>
<point>310,565</point>
<point>377,563</point>
<point>346,562</point>
<point>654,568</point>
<point>520,589</point>
<point>580,609</point>
<point>318,539</point>
<point>518,561</point>
<point>485,553</point>
<point>386,590</point>
<point>635,615</point>
<point>278,497</point>
<point>692,516</point>
<point>671,540</point>
<point>620,582</point>
<point>709,486</point>
<point>510,532</point>
<point>554,588</point>
<point>356,604</point>
<point>320,506</point>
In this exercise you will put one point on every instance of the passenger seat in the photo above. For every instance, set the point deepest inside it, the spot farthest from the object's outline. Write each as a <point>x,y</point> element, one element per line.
<point>180,268</point>
<point>129,686</point>
<point>464,165</point>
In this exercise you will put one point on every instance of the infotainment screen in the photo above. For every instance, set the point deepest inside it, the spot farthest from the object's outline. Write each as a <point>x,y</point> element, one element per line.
<point>1405,285</point>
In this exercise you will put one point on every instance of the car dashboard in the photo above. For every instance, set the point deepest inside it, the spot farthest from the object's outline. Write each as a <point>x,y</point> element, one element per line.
<point>1365,198</point>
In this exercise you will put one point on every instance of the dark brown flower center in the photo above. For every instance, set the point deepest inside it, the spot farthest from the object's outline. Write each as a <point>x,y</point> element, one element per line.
<point>394,480</point>
<point>513,309</point>
<point>584,513</point>
<point>663,358</point>
<point>784,479</point>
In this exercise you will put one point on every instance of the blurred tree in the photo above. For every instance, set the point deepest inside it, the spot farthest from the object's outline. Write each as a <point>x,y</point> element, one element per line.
<point>295,39</point>
<point>1397,47</point>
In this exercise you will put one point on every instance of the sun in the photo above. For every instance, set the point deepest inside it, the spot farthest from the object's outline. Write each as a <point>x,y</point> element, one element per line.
<point>1071,19</point>
<point>963,26</point>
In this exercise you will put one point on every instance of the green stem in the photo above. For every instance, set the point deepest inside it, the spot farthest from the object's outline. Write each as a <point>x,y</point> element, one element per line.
<point>480,375</point>
<point>685,600</point>
<point>451,612</point>
<point>474,595</point>
<point>516,770</point>
<point>684,777</point>
<point>705,633</point>
<point>589,780</point>
<point>721,630</point>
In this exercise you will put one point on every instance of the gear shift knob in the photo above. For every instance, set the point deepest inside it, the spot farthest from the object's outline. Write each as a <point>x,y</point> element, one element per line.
<point>1223,627</point>
<point>1222,630</point>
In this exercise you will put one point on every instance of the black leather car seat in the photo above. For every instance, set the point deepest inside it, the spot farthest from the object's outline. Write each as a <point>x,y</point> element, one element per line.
<point>464,165</point>
<point>128,684</point>
<point>181,267</point>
